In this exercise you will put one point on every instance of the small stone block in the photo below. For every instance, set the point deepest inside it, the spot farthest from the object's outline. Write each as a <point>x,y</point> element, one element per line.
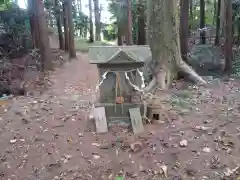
<point>136,120</point>
<point>100,120</point>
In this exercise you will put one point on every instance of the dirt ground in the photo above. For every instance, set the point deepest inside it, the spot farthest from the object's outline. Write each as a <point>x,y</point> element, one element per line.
<point>46,137</point>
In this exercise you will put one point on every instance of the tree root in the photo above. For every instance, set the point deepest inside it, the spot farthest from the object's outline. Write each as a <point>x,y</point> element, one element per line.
<point>151,85</point>
<point>192,74</point>
<point>183,67</point>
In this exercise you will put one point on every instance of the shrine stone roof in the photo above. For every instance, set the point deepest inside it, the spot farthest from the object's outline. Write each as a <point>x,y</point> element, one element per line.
<point>119,54</point>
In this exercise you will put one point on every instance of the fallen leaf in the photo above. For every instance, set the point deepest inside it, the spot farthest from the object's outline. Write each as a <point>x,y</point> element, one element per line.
<point>67,156</point>
<point>191,172</point>
<point>164,170</point>
<point>96,156</point>
<point>136,147</point>
<point>141,168</point>
<point>131,175</point>
<point>183,143</point>
<point>206,149</point>
<point>96,144</point>
<point>13,141</point>
<point>80,134</point>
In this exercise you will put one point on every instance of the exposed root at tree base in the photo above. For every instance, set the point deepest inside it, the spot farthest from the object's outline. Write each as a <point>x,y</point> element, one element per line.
<point>183,67</point>
<point>192,74</point>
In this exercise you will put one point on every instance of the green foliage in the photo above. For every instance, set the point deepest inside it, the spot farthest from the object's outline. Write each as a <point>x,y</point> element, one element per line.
<point>15,28</point>
<point>119,178</point>
<point>135,20</point>
<point>48,4</point>
<point>236,2</point>
<point>5,5</point>
<point>117,9</point>
<point>15,21</point>
<point>81,21</point>
<point>236,16</point>
<point>236,64</point>
<point>110,31</point>
<point>209,13</point>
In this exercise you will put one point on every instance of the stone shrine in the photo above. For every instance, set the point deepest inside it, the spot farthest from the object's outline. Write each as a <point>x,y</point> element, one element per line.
<point>116,94</point>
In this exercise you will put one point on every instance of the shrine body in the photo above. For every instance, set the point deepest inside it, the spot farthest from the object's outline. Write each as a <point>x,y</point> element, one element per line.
<point>121,66</point>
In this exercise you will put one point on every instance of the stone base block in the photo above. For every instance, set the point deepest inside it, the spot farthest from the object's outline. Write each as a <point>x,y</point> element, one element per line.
<point>119,114</point>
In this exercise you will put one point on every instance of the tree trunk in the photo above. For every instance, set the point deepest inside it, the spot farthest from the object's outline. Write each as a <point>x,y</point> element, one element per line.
<point>228,36</point>
<point>33,23</point>
<point>90,22</point>
<point>202,22</point>
<point>72,50</point>
<point>44,40</point>
<point>238,35</point>
<point>141,39</point>
<point>129,37</point>
<point>59,24</point>
<point>215,11</point>
<point>163,37</point>
<point>222,18</point>
<point>119,33</point>
<point>184,5</point>
<point>50,19</point>
<point>65,24</point>
<point>190,13</point>
<point>217,38</point>
<point>79,5</point>
<point>97,20</point>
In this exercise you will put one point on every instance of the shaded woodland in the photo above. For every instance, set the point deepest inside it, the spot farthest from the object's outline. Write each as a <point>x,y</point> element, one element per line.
<point>201,23</point>
<point>49,90</point>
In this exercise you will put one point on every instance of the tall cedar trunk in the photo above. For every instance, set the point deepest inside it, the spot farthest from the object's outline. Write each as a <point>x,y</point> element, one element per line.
<point>190,13</point>
<point>59,24</point>
<point>129,37</point>
<point>90,22</point>
<point>65,24</point>
<point>141,39</point>
<point>238,36</point>
<point>119,34</point>
<point>50,18</point>
<point>217,38</point>
<point>163,38</point>
<point>215,11</point>
<point>184,5</point>
<point>222,18</point>
<point>72,50</point>
<point>44,40</point>
<point>33,23</point>
<point>79,4</point>
<point>202,22</point>
<point>228,36</point>
<point>97,20</point>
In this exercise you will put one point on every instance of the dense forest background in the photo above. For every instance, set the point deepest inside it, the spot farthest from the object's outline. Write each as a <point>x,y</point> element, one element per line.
<point>202,22</point>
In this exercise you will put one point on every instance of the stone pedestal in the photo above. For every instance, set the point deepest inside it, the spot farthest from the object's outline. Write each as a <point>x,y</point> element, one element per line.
<point>120,114</point>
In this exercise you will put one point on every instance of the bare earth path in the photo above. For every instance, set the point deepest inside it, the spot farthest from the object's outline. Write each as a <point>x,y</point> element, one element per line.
<point>45,138</point>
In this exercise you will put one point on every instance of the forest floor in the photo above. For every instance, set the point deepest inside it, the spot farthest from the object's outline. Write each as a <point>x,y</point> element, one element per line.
<point>46,137</point>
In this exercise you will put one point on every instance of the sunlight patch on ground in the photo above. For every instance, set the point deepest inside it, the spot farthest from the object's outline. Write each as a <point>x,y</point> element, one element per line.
<point>83,44</point>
